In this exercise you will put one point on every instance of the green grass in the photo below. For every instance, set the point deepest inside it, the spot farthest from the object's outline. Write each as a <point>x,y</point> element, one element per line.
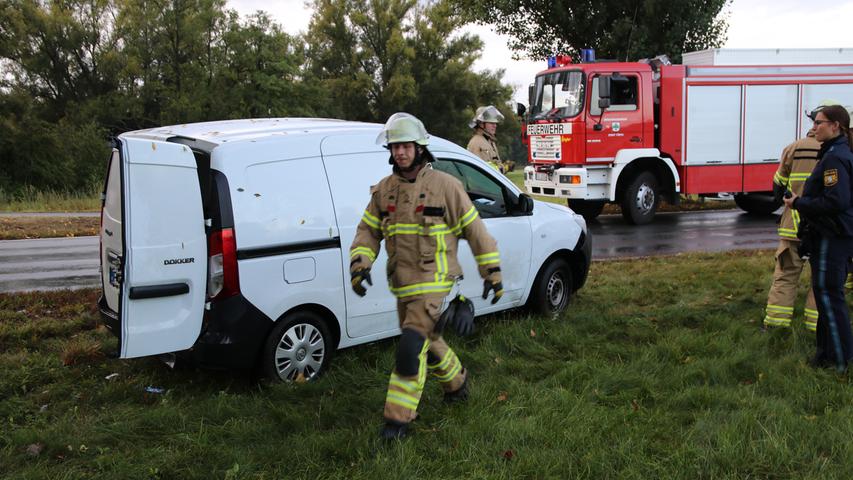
<point>36,200</point>
<point>658,370</point>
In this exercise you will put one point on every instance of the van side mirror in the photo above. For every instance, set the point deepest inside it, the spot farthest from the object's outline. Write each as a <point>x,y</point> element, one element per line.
<point>525,204</point>
<point>520,109</point>
<point>531,95</point>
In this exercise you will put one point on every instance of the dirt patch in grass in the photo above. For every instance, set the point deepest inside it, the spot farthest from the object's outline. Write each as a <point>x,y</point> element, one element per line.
<point>16,228</point>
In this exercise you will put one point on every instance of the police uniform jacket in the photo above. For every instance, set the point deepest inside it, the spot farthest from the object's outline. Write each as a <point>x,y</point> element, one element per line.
<point>797,162</point>
<point>826,194</point>
<point>483,145</point>
<point>421,223</point>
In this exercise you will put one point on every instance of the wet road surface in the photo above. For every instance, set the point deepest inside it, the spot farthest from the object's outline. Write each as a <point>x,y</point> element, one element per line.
<point>57,263</point>
<point>671,233</point>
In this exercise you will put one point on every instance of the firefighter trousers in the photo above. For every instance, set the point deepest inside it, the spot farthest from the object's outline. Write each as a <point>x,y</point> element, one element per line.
<point>783,291</point>
<point>420,351</point>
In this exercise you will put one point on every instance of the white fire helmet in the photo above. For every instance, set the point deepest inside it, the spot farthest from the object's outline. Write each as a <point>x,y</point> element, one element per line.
<point>487,114</point>
<point>403,127</point>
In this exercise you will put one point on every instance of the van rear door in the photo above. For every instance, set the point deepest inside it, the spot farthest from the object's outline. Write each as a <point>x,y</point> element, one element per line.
<point>163,289</point>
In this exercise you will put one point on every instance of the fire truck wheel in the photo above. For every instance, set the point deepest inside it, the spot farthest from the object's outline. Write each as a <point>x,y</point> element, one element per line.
<point>757,203</point>
<point>552,289</point>
<point>588,210</point>
<point>640,200</point>
<point>298,348</point>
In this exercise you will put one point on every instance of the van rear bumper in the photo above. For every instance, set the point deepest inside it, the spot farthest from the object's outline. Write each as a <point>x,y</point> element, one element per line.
<point>109,318</point>
<point>233,333</point>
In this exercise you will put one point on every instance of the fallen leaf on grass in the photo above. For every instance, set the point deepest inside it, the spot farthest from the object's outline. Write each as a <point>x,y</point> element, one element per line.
<point>497,359</point>
<point>502,396</point>
<point>508,454</point>
<point>532,332</point>
<point>300,378</point>
<point>635,405</point>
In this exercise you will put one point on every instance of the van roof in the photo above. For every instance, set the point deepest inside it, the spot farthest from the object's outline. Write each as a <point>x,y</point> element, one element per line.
<point>223,131</point>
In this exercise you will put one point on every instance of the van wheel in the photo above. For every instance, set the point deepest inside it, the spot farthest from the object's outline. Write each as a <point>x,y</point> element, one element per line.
<point>298,349</point>
<point>552,289</point>
<point>640,200</point>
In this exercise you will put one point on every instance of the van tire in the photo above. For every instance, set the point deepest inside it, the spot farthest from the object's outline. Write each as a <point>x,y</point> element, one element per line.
<point>552,289</point>
<point>640,200</point>
<point>306,348</point>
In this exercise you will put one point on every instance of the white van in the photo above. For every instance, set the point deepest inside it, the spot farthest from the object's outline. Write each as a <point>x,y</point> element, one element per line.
<point>230,241</point>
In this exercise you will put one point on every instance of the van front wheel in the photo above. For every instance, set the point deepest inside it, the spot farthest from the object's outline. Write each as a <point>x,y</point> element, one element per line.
<point>552,289</point>
<point>298,349</point>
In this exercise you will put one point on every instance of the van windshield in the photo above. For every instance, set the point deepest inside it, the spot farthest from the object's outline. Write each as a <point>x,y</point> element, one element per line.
<point>557,95</point>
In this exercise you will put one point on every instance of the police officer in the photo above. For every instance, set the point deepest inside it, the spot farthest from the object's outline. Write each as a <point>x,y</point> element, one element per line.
<point>828,211</point>
<point>482,143</point>
<point>421,214</point>
<point>797,162</point>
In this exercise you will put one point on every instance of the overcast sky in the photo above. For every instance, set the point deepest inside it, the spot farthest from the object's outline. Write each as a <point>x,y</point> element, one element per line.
<point>752,24</point>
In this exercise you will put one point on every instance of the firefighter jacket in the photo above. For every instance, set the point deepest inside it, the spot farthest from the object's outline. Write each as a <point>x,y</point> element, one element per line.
<point>798,161</point>
<point>421,223</point>
<point>827,193</point>
<point>483,145</point>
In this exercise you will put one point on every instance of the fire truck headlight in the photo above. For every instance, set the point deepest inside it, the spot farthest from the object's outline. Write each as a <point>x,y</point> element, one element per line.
<point>570,179</point>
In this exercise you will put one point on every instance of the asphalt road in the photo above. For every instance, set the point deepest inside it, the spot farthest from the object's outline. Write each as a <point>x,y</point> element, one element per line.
<point>57,263</point>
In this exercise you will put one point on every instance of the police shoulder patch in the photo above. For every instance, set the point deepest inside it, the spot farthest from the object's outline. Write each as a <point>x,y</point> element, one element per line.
<point>830,177</point>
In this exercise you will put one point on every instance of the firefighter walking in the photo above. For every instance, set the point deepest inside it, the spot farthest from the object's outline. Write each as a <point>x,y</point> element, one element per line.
<point>482,143</point>
<point>421,214</point>
<point>797,162</point>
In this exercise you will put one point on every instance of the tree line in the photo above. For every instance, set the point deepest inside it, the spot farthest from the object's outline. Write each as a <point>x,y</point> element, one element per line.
<point>76,72</point>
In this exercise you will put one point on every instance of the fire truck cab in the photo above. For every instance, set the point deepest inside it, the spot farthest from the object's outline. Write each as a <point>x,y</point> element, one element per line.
<point>633,133</point>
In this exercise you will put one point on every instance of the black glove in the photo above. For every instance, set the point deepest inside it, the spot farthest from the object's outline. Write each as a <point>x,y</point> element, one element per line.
<point>497,287</point>
<point>359,276</point>
<point>460,315</point>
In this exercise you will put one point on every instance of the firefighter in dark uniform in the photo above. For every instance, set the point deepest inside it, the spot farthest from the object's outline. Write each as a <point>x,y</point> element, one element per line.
<point>420,214</point>
<point>827,209</point>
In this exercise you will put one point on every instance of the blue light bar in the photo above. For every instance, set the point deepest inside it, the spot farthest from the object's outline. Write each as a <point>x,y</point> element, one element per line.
<point>588,55</point>
<point>552,62</point>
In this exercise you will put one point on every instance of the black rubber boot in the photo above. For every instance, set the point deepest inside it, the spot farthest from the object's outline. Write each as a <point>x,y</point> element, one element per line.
<point>459,395</point>
<point>394,430</point>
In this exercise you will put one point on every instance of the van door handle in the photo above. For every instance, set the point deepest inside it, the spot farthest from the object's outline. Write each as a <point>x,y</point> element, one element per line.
<point>108,232</point>
<point>636,139</point>
<point>156,291</point>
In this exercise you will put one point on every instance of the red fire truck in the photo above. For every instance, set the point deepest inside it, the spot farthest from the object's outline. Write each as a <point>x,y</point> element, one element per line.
<point>633,133</point>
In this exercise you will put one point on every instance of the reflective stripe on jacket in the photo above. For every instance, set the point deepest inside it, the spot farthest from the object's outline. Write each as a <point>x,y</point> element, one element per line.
<point>795,166</point>
<point>421,223</point>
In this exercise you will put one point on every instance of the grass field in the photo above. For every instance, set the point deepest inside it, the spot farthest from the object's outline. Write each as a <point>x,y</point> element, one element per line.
<point>12,228</point>
<point>658,370</point>
<point>33,200</point>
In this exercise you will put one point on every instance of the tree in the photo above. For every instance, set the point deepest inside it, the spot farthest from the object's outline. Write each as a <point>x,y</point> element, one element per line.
<point>623,30</point>
<point>377,57</point>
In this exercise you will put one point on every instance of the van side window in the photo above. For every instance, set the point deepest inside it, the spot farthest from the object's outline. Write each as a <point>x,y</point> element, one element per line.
<point>486,194</point>
<point>622,99</point>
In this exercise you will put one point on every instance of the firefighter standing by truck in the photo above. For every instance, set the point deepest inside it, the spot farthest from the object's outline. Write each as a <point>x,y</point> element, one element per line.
<point>827,207</point>
<point>798,160</point>
<point>420,213</point>
<point>482,143</point>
